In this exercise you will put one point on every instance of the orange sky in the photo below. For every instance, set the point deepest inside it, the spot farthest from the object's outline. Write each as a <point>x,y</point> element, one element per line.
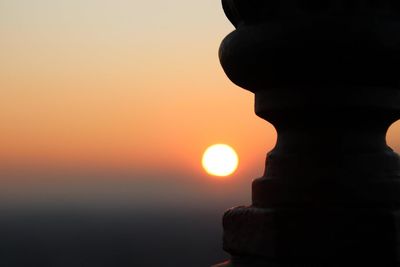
<point>121,85</point>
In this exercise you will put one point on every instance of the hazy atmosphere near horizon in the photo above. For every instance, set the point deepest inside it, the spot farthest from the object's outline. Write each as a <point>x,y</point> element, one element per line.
<point>106,108</point>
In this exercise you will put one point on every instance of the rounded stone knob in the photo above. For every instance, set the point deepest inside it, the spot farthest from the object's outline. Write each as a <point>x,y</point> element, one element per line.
<point>326,75</point>
<point>312,44</point>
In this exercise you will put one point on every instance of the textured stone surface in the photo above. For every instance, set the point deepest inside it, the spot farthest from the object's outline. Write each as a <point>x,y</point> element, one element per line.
<point>307,235</point>
<point>325,74</point>
<point>312,44</point>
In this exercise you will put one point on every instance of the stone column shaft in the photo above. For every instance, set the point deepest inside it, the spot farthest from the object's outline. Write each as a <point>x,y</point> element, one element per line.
<point>326,75</point>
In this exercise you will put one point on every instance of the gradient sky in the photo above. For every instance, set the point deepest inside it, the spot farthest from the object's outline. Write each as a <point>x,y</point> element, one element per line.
<point>111,86</point>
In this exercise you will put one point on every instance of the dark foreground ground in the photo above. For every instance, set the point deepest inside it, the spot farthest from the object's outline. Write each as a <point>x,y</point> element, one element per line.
<point>73,237</point>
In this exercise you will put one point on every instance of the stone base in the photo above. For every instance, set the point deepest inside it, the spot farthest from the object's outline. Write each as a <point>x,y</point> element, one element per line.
<point>310,237</point>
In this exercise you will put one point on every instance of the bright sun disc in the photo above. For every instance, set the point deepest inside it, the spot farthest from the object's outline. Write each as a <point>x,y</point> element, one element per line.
<point>220,160</point>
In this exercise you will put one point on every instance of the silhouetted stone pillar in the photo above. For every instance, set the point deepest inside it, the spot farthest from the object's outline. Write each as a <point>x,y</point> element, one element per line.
<point>326,74</point>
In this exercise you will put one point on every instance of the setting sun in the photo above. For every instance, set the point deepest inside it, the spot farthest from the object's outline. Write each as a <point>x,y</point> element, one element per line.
<point>220,160</point>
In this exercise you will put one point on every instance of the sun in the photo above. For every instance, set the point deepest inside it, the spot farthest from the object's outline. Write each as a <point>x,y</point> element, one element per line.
<point>220,160</point>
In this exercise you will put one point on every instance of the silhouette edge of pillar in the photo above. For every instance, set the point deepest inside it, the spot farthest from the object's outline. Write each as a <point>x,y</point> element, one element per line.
<point>325,77</point>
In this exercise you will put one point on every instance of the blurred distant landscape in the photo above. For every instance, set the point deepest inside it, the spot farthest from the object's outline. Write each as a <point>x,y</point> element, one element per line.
<point>126,223</point>
<point>61,236</point>
<point>106,109</point>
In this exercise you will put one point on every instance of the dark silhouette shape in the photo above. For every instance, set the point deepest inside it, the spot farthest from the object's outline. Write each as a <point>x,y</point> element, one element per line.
<point>326,75</point>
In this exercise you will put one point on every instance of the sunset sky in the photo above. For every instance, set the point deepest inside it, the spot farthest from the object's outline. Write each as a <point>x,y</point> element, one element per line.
<point>96,90</point>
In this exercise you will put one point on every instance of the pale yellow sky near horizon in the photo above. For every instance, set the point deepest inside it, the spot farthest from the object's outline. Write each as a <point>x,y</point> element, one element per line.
<point>122,84</point>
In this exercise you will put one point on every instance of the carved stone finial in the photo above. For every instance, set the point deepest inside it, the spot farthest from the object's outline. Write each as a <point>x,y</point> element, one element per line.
<point>326,75</point>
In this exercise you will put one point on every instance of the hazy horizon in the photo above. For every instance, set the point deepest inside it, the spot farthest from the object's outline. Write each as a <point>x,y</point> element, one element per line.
<point>106,108</point>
